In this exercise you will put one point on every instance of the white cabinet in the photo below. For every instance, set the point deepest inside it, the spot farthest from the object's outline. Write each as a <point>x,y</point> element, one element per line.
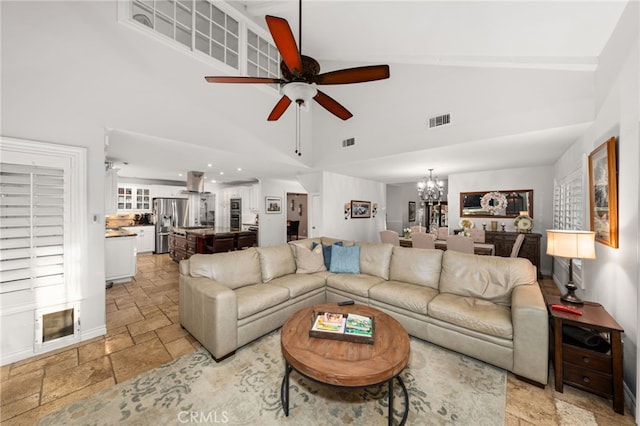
<point>168,191</point>
<point>110,191</point>
<point>120,258</point>
<point>145,238</point>
<point>134,198</point>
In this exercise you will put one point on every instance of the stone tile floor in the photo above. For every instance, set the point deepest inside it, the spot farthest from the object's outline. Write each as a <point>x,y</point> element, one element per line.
<point>143,332</point>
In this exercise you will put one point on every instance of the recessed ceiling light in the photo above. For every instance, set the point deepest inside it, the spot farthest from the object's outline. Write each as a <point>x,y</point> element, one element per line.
<point>180,174</point>
<point>239,169</point>
<point>221,173</point>
<point>209,165</point>
<point>213,181</point>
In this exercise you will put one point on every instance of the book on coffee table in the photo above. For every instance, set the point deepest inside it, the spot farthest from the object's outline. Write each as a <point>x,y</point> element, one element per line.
<point>347,327</point>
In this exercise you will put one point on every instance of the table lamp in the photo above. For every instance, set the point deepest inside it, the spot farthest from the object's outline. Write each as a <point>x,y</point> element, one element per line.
<point>571,244</point>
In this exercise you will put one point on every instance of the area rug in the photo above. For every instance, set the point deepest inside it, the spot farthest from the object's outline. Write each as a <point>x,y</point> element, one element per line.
<point>444,388</point>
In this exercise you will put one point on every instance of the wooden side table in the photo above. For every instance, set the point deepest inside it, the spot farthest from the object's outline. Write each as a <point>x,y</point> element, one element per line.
<point>587,369</point>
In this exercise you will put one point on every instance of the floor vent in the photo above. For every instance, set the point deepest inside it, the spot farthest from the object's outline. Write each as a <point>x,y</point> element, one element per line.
<point>348,142</point>
<point>440,120</point>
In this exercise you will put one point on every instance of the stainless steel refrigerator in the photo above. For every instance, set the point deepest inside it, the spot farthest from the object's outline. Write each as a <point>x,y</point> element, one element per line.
<point>168,213</point>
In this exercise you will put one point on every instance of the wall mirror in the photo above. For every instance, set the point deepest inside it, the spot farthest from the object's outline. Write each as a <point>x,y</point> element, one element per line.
<point>517,200</point>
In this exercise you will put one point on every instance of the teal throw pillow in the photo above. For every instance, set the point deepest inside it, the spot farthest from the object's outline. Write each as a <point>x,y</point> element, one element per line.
<point>326,252</point>
<point>345,260</point>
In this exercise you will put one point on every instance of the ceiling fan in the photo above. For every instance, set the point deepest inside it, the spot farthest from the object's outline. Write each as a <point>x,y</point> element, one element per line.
<point>301,73</point>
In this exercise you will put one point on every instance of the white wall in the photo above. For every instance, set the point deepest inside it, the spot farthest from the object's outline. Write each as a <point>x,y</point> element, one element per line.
<point>540,179</point>
<point>612,278</point>
<point>273,227</point>
<point>337,190</point>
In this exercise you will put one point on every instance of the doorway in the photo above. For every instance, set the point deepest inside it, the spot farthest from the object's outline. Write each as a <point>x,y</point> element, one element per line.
<point>297,210</point>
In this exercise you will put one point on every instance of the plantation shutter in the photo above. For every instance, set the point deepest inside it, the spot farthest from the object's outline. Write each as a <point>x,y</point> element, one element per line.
<point>32,228</point>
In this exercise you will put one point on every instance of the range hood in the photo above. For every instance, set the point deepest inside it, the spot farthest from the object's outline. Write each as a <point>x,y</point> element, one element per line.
<point>195,183</point>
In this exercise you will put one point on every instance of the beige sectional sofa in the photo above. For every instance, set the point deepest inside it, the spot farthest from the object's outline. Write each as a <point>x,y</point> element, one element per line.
<point>487,307</point>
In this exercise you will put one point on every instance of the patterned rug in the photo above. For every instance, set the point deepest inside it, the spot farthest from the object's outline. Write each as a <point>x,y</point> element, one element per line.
<point>444,388</point>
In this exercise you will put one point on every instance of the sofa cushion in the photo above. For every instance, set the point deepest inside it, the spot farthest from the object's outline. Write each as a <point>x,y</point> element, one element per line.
<point>416,266</point>
<point>345,260</point>
<point>472,313</point>
<point>234,269</point>
<point>411,297</point>
<point>299,284</point>
<point>326,252</point>
<point>484,277</point>
<point>308,261</point>
<point>375,259</point>
<point>357,284</point>
<point>276,261</point>
<point>256,298</point>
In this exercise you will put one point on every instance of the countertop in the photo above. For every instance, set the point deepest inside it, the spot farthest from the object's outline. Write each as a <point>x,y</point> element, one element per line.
<point>205,231</point>
<point>112,233</point>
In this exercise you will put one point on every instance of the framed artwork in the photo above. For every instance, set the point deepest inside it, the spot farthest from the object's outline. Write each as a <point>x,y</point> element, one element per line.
<point>360,209</point>
<point>412,211</point>
<point>273,205</point>
<point>603,193</point>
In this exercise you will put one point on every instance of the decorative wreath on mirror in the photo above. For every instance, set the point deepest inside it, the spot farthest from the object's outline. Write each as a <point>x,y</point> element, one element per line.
<point>493,202</point>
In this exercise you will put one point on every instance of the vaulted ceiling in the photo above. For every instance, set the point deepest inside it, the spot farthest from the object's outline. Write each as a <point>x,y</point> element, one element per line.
<point>517,78</point>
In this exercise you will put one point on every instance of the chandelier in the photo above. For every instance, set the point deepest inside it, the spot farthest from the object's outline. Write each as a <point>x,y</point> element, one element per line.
<point>430,190</point>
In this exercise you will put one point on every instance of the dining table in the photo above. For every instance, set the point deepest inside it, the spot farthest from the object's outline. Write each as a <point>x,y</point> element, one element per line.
<point>484,249</point>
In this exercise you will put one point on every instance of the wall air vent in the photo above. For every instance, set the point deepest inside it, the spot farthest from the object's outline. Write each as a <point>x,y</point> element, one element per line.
<point>348,142</point>
<point>440,120</point>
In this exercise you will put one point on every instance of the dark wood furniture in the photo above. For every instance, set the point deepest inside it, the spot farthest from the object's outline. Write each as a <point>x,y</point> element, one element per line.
<point>581,366</point>
<point>437,214</point>
<point>348,364</point>
<point>504,241</point>
<point>293,229</point>
<point>478,248</point>
<point>184,243</point>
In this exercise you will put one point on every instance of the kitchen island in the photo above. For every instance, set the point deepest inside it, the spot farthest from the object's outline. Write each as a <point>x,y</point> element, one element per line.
<point>187,241</point>
<point>120,255</point>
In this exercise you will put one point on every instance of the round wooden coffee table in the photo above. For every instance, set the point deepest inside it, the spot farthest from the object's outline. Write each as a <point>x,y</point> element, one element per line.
<point>342,363</point>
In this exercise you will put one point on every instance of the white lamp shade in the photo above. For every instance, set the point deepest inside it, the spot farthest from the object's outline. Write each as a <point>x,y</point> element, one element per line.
<point>571,244</point>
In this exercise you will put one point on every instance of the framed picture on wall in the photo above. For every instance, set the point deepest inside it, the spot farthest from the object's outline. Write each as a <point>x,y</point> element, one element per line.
<point>273,205</point>
<point>603,193</point>
<point>412,211</point>
<point>360,209</point>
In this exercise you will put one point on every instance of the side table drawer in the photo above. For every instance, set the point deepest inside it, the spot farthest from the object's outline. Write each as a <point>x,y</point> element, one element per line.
<point>587,379</point>
<point>585,358</point>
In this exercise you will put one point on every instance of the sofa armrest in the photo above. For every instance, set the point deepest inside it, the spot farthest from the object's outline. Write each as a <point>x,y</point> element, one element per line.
<point>530,333</point>
<point>209,311</point>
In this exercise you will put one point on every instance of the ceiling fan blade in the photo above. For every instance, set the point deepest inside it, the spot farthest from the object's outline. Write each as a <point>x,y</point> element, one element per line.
<point>332,106</point>
<point>279,109</point>
<point>234,79</point>
<point>286,44</point>
<point>354,75</point>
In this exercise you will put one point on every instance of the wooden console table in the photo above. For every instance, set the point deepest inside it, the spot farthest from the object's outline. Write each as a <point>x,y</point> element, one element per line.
<point>577,365</point>
<point>503,242</point>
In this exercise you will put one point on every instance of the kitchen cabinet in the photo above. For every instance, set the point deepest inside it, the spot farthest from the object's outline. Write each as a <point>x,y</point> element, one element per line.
<point>120,258</point>
<point>145,239</point>
<point>168,191</point>
<point>110,192</point>
<point>134,198</point>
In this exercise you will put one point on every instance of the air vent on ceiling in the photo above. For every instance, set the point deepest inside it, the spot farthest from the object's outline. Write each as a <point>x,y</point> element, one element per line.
<point>348,142</point>
<point>440,120</point>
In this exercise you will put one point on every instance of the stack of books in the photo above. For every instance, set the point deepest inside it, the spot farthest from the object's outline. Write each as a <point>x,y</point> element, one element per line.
<point>338,326</point>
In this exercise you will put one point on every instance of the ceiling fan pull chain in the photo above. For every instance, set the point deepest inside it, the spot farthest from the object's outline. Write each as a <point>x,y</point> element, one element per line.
<point>298,151</point>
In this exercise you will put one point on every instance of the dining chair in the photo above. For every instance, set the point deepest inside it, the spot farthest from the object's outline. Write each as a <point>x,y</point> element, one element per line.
<point>516,245</point>
<point>293,229</point>
<point>390,237</point>
<point>477,235</point>
<point>460,243</point>
<point>422,240</point>
<point>418,228</point>
<point>443,232</point>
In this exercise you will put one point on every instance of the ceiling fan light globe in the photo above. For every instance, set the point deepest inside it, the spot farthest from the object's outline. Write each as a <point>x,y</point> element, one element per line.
<point>297,91</point>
